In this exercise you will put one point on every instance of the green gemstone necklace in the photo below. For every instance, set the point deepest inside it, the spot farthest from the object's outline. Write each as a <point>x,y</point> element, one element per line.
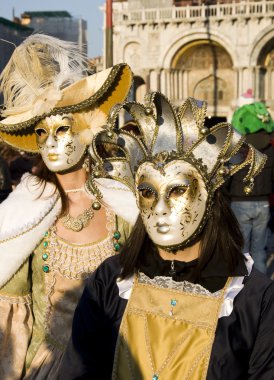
<point>45,254</point>
<point>47,244</point>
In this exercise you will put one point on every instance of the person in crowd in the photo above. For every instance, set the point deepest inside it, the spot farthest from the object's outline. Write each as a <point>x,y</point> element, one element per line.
<point>5,180</point>
<point>19,162</point>
<point>19,166</point>
<point>53,232</point>
<point>252,211</point>
<point>181,301</point>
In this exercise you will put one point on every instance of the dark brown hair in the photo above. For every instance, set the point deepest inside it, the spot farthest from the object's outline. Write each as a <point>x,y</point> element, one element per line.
<point>220,236</point>
<point>44,175</point>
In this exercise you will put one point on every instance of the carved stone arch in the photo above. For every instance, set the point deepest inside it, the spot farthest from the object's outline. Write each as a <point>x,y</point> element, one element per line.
<point>202,55</point>
<point>262,61</point>
<point>259,44</point>
<point>265,72</point>
<point>199,62</point>
<point>183,39</point>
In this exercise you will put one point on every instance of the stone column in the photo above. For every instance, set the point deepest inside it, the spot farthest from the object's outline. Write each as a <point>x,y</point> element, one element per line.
<point>173,84</point>
<point>168,91</point>
<point>163,81</point>
<point>240,81</point>
<point>268,82</point>
<point>185,84</point>
<point>257,94</point>
<point>272,82</point>
<point>180,85</point>
<point>253,80</point>
<point>176,84</point>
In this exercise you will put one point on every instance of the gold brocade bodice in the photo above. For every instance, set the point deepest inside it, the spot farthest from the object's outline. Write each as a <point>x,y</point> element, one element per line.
<point>167,331</point>
<point>57,291</point>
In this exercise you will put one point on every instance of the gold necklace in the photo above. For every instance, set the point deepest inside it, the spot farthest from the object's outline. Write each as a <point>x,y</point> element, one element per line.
<point>81,221</point>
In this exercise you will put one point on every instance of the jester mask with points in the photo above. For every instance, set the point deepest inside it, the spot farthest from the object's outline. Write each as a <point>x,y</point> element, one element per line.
<point>173,164</point>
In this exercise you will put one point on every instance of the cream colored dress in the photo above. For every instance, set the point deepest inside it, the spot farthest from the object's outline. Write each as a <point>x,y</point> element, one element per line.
<point>38,303</point>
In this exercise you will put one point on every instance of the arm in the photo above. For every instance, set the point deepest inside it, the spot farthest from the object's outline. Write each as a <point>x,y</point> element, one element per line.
<point>261,365</point>
<point>95,327</point>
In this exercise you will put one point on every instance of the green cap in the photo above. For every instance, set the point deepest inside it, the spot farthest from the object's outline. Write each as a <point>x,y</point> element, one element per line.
<point>252,118</point>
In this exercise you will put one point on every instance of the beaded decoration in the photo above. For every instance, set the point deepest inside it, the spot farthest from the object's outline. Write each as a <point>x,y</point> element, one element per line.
<point>60,255</point>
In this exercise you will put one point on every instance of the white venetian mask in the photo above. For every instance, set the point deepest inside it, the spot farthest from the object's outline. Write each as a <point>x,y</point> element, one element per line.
<point>60,148</point>
<point>172,201</point>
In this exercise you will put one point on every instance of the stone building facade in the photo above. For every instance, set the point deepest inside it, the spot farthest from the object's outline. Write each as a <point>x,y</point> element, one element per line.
<point>212,51</point>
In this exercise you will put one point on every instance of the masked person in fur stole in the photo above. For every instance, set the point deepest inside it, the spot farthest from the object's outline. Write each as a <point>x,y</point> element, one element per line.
<point>53,233</point>
<point>180,301</point>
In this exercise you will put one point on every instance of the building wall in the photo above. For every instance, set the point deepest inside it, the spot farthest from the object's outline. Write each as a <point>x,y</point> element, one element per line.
<point>65,28</point>
<point>13,34</point>
<point>214,51</point>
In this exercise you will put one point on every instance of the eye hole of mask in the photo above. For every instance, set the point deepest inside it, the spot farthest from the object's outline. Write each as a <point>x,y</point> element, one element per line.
<point>60,131</point>
<point>147,192</point>
<point>177,191</point>
<point>40,132</point>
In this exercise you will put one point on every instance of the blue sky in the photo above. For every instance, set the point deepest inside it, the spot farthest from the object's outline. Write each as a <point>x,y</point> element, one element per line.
<point>87,9</point>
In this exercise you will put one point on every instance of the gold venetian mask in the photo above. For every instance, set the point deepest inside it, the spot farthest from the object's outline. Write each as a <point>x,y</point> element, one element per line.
<point>172,202</point>
<point>60,148</point>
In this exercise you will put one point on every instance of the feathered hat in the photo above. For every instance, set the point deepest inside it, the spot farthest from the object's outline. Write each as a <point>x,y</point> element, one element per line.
<point>165,134</point>
<point>47,76</point>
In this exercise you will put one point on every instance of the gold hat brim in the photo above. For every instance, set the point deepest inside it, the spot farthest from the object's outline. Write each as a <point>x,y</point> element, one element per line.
<point>97,94</point>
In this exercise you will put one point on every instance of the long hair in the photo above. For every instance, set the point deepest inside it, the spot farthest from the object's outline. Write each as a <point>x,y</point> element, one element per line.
<point>220,236</point>
<point>44,175</point>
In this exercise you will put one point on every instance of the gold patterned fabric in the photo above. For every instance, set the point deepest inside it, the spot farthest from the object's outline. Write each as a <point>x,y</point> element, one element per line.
<point>166,333</point>
<point>16,321</point>
<point>37,308</point>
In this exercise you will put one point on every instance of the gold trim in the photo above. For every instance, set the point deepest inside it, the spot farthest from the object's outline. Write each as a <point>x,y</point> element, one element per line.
<point>12,128</point>
<point>22,135</point>
<point>141,304</point>
<point>24,300</point>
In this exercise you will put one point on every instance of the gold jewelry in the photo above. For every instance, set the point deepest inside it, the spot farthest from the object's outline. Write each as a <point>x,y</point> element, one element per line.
<point>81,221</point>
<point>172,271</point>
<point>86,164</point>
<point>74,190</point>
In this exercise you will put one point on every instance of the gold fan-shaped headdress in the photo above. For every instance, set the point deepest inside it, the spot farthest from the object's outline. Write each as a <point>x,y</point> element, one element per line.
<point>164,133</point>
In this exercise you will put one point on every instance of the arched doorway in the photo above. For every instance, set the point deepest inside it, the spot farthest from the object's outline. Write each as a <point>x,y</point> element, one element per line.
<point>265,67</point>
<point>206,69</point>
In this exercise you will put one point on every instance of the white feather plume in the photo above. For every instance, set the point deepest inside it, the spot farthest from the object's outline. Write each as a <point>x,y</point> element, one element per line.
<point>41,64</point>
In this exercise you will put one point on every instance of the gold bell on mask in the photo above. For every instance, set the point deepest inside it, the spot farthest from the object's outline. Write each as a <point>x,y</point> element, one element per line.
<point>173,164</point>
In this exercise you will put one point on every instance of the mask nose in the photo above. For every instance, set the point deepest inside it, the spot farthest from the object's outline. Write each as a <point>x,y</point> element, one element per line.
<point>161,208</point>
<point>51,142</point>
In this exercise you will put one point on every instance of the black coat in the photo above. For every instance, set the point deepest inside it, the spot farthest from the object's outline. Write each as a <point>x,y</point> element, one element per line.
<point>243,346</point>
<point>264,181</point>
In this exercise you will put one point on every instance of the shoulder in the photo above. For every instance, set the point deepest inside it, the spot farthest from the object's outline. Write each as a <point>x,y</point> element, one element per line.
<point>101,291</point>
<point>107,273</point>
<point>257,295</point>
<point>258,283</point>
<point>259,286</point>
